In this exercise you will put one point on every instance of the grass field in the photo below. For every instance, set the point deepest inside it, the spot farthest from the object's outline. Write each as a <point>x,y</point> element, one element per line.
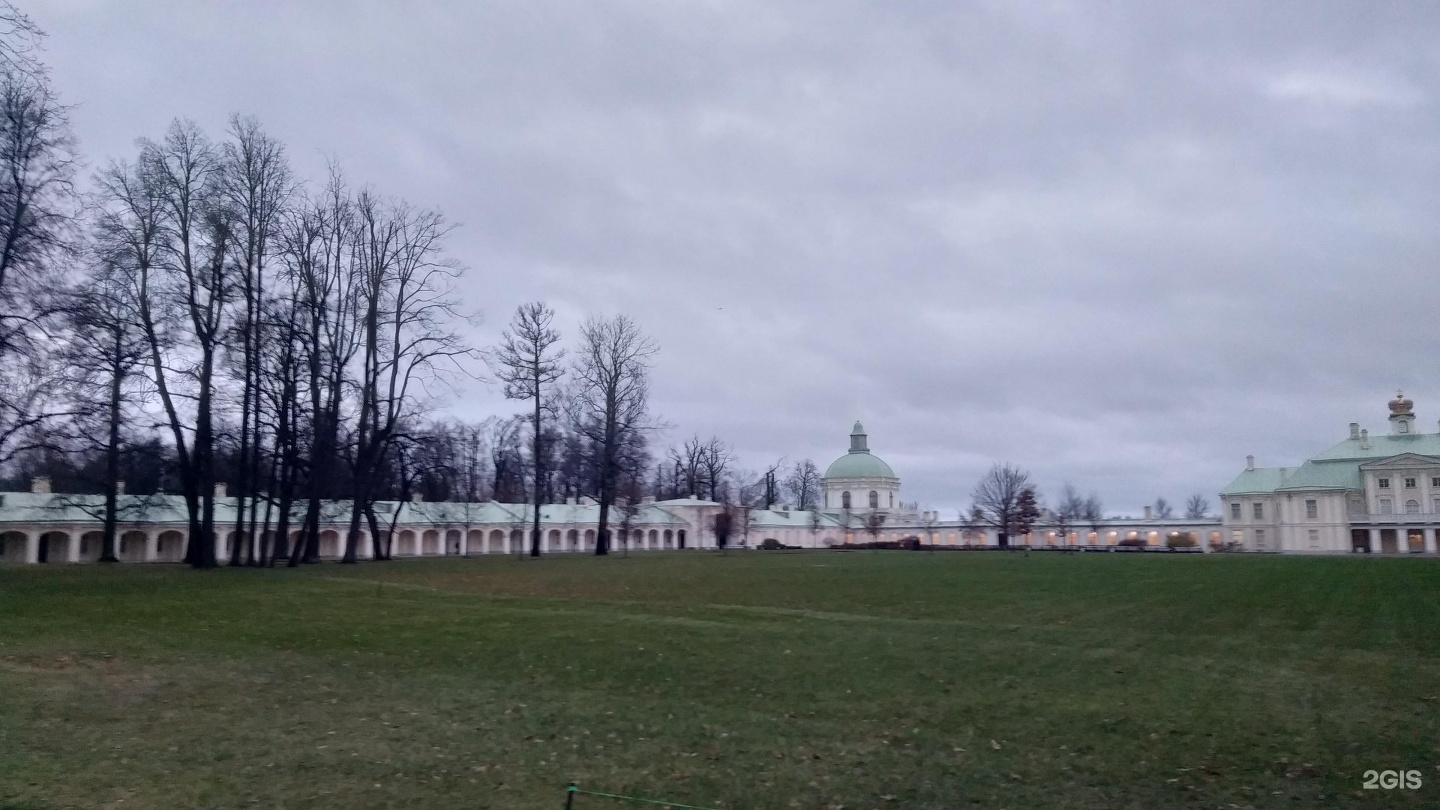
<point>755,680</point>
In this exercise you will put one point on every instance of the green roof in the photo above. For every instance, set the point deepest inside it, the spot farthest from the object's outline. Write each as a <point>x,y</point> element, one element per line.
<point>1425,444</point>
<point>1259,481</point>
<point>1324,475</point>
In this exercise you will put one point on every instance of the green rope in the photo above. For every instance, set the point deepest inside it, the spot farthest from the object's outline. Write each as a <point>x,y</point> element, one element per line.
<point>574,789</point>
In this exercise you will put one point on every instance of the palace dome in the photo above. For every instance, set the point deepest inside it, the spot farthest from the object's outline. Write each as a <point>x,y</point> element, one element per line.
<point>859,462</point>
<point>1400,406</point>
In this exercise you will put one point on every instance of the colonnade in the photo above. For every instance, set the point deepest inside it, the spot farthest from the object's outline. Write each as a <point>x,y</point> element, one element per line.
<point>76,544</point>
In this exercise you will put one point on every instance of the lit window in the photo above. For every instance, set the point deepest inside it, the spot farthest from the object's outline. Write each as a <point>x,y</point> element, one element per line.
<point>1312,509</point>
<point>1235,511</point>
<point>1384,483</point>
<point>1412,507</point>
<point>1409,483</point>
<point>1237,537</point>
<point>1259,510</point>
<point>1386,508</point>
<point>1314,538</point>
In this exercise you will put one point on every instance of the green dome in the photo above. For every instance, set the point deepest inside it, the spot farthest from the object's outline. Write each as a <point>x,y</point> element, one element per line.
<point>859,464</point>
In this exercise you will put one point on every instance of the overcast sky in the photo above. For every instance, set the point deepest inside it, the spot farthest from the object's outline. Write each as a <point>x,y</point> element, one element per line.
<point>1121,244</point>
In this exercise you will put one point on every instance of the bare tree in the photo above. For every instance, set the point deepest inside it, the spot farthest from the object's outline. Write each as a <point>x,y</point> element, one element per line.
<point>1163,509</point>
<point>1069,511</point>
<point>689,465</point>
<point>610,400</point>
<point>874,523</point>
<point>996,502</point>
<point>722,524</point>
<point>255,181</point>
<point>1094,513</point>
<point>1197,507</point>
<point>802,485</point>
<point>405,300</point>
<point>103,360</point>
<point>716,461</point>
<point>528,363</point>
<point>173,235</point>
<point>37,210</point>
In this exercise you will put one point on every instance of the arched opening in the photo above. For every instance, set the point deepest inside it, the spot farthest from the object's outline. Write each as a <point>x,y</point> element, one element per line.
<point>681,538</point>
<point>845,500</point>
<point>494,545</point>
<point>432,542</point>
<point>553,541</point>
<point>54,547</point>
<point>12,547</point>
<point>874,499</point>
<point>130,546</point>
<point>654,541</point>
<point>637,539</point>
<point>1412,507</point>
<point>669,539</point>
<point>170,547</point>
<point>517,542</point>
<point>572,540</point>
<point>329,544</point>
<point>589,539</point>
<point>90,545</point>
<point>407,545</point>
<point>452,542</point>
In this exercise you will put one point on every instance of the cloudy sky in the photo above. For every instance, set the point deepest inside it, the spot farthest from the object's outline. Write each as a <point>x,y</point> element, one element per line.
<point>1121,244</point>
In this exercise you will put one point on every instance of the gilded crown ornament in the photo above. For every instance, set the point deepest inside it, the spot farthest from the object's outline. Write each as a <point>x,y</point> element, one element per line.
<point>1400,406</point>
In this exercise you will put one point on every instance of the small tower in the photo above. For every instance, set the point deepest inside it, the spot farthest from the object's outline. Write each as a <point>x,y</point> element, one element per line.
<point>858,442</point>
<point>1402,415</point>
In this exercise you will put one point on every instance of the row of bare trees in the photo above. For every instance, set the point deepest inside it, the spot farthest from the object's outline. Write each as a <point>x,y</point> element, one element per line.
<point>284,340</point>
<point>1005,499</point>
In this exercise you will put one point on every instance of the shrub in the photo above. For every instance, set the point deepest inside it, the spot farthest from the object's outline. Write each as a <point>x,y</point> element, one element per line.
<point>1181,540</point>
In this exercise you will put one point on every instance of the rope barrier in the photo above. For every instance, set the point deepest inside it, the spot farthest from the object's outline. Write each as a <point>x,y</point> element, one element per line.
<point>574,790</point>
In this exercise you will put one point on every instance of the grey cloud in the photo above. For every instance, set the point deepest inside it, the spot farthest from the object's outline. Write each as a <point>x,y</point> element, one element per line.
<point>1121,244</point>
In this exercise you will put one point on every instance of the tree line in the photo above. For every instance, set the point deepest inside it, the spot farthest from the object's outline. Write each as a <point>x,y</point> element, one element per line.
<point>1006,500</point>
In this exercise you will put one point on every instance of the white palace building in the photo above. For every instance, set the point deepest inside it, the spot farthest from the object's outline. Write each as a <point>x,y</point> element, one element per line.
<point>45,527</point>
<point>1377,494</point>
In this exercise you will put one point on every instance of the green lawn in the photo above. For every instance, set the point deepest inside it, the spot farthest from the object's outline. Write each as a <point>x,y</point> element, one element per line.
<point>754,680</point>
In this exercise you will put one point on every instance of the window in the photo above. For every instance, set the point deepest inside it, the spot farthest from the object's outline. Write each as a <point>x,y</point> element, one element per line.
<point>1409,483</point>
<point>1312,509</point>
<point>1384,483</point>
<point>1404,426</point>
<point>1412,507</point>
<point>1237,537</point>
<point>844,500</point>
<point>1386,508</point>
<point>1235,511</point>
<point>892,500</point>
<point>1436,505</point>
<point>1435,481</point>
<point>1259,538</point>
<point>1314,538</point>
<point>1259,510</point>
<point>874,499</point>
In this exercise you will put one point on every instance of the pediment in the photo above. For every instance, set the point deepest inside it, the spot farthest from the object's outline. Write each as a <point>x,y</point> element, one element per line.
<point>1403,461</point>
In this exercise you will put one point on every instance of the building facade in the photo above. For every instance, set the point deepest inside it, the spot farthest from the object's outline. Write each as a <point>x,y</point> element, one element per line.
<point>860,496</point>
<point>1368,494</point>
